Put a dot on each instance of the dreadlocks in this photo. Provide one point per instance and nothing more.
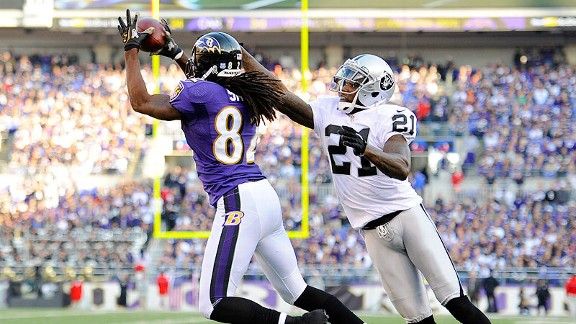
(260, 93)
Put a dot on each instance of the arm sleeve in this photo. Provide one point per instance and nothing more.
(318, 116)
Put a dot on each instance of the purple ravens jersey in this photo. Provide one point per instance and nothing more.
(217, 127)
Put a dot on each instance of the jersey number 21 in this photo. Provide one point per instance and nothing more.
(367, 169)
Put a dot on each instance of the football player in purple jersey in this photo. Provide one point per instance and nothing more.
(220, 106)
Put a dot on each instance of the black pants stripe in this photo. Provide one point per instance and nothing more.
(430, 218)
(225, 252)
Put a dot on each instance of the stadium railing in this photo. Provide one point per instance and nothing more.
(332, 275)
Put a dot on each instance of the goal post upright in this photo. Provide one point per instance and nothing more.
(304, 231)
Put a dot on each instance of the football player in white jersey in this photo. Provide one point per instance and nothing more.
(366, 140)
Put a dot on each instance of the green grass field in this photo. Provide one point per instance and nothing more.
(65, 316)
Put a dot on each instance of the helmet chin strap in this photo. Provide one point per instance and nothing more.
(210, 71)
(348, 107)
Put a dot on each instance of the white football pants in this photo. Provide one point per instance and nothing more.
(402, 249)
(248, 222)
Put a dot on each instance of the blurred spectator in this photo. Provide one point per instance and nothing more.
(75, 293)
(543, 296)
(571, 295)
(524, 304)
(473, 288)
(419, 182)
(457, 178)
(489, 284)
(163, 282)
(123, 283)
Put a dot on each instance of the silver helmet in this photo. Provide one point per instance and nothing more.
(372, 80)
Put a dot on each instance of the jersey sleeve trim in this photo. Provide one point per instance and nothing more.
(317, 116)
(404, 123)
(387, 137)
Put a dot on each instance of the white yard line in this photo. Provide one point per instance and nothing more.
(64, 313)
(40, 314)
(543, 322)
(532, 318)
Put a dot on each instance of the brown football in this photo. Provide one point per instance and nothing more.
(157, 39)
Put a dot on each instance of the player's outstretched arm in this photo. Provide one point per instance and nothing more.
(394, 160)
(292, 105)
(157, 106)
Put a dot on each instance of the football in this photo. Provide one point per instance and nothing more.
(157, 39)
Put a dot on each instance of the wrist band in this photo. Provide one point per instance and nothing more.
(130, 46)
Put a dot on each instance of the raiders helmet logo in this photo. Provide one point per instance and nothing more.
(386, 82)
(209, 44)
(233, 218)
(385, 233)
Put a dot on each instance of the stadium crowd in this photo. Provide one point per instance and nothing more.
(69, 120)
(67, 115)
(102, 228)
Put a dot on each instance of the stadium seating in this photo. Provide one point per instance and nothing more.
(69, 120)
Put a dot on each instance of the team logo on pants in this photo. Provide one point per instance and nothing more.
(233, 218)
(384, 232)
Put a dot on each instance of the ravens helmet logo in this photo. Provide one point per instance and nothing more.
(209, 44)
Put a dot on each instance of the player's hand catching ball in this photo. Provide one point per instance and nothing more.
(130, 35)
(171, 49)
(353, 139)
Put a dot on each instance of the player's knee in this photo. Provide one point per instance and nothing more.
(205, 307)
(287, 296)
(413, 312)
(292, 288)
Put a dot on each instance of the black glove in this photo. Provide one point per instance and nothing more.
(171, 49)
(353, 139)
(130, 35)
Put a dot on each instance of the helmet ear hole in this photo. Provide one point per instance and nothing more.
(375, 94)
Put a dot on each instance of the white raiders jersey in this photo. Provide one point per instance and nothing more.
(364, 191)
